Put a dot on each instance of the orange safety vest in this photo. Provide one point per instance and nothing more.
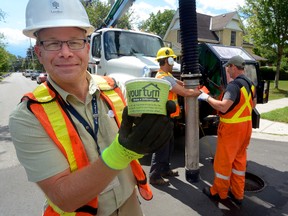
(242, 111)
(43, 102)
(171, 96)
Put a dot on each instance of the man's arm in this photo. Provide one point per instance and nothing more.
(136, 137)
(218, 105)
(180, 90)
(179, 82)
(254, 102)
(69, 191)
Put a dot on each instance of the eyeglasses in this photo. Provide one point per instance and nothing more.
(56, 45)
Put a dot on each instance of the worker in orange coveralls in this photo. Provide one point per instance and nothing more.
(234, 133)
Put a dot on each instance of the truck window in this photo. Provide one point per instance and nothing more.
(250, 72)
(121, 43)
(96, 49)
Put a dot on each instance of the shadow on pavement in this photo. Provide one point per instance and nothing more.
(4, 133)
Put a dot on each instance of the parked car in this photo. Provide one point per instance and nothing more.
(35, 74)
(41, 78)
(28, 73)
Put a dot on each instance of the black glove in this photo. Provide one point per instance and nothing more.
(148, 133)
(170, 107)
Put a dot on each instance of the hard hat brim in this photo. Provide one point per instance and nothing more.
(163, 57)
(30, 32)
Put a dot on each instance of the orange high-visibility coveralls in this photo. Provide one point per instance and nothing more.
(234, 133)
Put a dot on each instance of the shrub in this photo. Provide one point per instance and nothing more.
(268, 73)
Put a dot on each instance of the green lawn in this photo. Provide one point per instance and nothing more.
(281, 92)
(279, 115)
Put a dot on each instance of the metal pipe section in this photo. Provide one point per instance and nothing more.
(192, 171)
(190, 75)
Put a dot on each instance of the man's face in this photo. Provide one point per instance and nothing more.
(66, 64)
(228, 77)
(230, 69)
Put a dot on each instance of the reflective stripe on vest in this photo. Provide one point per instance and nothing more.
(172, 96)
(43, 103)
(112, 97)
(111, 94)
(242, 111)
(60, 129)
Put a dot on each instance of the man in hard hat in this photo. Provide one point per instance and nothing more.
(234, 133)
(66, 131)
(160, 163)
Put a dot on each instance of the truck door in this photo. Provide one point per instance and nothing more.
(95, 63)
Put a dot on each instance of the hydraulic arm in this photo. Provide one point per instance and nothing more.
(119, 8)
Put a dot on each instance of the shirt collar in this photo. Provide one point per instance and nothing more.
(93, 87)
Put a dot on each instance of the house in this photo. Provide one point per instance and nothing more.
(223, 29)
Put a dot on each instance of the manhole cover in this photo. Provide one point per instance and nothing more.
(253, 183)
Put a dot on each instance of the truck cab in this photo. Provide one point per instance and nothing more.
(124, 54)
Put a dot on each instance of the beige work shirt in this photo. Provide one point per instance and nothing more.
(42, 159)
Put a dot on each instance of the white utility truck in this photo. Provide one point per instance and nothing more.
(124, 54)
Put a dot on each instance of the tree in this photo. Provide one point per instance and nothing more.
(31, 60)
(16, 63)
(97, 12)
(2, 15)
(158, 23)
(267, 25)
(2, 18)
(4, 60)
(4, 55)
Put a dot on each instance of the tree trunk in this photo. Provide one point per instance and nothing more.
(279, 57)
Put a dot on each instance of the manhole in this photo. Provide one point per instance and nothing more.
(253, 183)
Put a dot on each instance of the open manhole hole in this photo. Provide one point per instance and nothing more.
(253, 183)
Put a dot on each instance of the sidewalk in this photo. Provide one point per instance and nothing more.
(268, 129)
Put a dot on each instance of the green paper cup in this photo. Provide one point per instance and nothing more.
(147, 95)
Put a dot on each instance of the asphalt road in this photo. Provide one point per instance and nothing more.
(267, 159)
(18, 196)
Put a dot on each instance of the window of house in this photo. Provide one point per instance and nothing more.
(233, 38)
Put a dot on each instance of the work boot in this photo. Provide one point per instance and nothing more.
(159, 181)
(207, 192)
(170, 173)
(235, 200)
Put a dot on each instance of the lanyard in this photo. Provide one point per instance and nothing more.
(84, 122)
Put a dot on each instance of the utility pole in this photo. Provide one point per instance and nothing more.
(32, 55)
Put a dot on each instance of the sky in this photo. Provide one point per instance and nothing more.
(14, 23)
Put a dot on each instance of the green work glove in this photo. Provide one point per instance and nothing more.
(138, 136)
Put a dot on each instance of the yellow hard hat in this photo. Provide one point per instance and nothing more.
(165, 52)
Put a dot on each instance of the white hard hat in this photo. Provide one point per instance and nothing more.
(55, 13)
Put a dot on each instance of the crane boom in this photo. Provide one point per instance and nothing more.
(119, 8)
